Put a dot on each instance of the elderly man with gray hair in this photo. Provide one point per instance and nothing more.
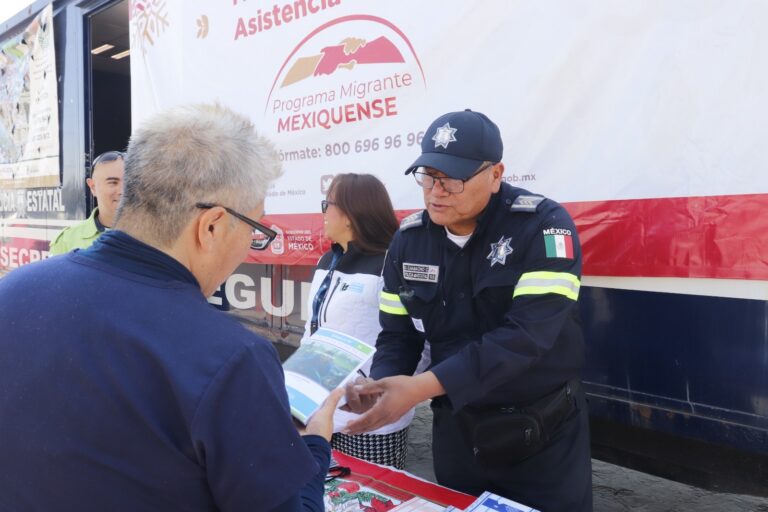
(120, 387)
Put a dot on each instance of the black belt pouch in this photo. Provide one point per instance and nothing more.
(501, 436)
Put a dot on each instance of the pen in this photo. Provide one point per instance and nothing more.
(361, 372)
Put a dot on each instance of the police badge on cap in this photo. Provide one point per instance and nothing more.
(458, 143)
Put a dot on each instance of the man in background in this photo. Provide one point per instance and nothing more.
(106, 184)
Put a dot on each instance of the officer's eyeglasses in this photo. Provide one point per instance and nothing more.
(261, 236)
(450, 185)
(324, 205)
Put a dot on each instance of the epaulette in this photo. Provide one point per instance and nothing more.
(412, 221)
(526, 203)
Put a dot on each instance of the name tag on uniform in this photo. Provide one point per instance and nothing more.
(417, 272)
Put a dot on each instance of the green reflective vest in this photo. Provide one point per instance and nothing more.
(79, 236)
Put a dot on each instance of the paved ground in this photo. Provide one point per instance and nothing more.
(616, 489)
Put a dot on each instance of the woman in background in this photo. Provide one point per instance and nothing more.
(359, 220)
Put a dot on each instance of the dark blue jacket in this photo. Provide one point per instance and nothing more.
(500, 314)
(121, 388)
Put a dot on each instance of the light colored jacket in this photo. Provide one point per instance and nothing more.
(351, 306)
(79, 236)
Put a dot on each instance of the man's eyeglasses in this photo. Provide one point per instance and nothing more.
(450, 185)
(261, 237)
(324, 205)
(109, 156)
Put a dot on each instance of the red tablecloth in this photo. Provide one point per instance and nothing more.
(379, 488)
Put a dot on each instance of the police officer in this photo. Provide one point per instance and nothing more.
(489, 274)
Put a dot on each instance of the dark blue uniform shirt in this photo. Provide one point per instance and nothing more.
(500, 313)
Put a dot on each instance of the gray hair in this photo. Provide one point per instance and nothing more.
(190, 154)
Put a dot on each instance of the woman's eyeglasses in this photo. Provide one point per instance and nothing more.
(261, 237)
(324, 205)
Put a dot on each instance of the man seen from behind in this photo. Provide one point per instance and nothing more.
(120, 387)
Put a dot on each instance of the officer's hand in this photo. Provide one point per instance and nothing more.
(321, 423)
(396, 395)
(356, 402)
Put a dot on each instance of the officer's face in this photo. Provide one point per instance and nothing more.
(459, 212)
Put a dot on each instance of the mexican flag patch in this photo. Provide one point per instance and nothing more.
(558, 243)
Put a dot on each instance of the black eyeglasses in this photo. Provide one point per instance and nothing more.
(324, 205)
(335, 472)
(450, 185)
(262, 236)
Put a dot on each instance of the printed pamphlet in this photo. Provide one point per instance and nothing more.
(321, 364)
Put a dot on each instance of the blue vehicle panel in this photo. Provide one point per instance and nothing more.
(689, 365)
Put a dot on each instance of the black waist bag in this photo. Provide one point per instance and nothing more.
(502, 436)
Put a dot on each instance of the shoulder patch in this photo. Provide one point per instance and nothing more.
(414, 220)
(526, 203)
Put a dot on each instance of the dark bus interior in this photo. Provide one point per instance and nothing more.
(108, 80)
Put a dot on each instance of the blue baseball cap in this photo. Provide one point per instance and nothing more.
(458, 143)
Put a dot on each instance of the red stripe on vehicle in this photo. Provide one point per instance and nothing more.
(697, 237)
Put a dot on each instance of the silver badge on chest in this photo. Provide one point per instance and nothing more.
(500, 250)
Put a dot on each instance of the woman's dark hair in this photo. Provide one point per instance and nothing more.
(364, 200)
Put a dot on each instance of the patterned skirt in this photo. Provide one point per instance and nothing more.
(386, 449)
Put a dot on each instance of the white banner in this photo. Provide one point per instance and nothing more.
(595, 100)
(645, 118)
(29, 114)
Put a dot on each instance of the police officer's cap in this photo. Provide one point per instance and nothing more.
(458, 143)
